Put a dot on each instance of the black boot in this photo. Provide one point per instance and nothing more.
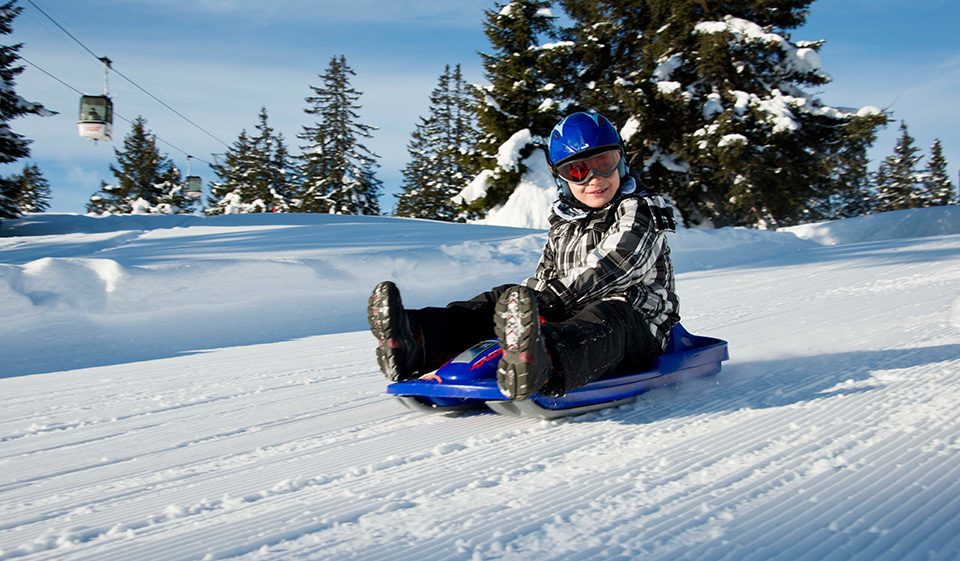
(524, 367)
(399, 354)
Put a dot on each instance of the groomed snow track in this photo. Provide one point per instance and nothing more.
(831, 434)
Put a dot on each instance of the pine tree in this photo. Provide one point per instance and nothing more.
(598, 64)
(899, 184)
(268, 178)
(32, 190)
(338, 171)
(856, 196)
(13, 146)
(285, 178)
(227, 196)
(146, 180)
(518, 96)
(316, 169)
(938, 189)
(418, 199)
(440, 151)
(465, 132)
(711, 99)
(255, 175)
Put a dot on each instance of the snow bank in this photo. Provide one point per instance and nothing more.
(899, 224)
(113, 289)
(126, 288)
(698, 250)
(529, 204)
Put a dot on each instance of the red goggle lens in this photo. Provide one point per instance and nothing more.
(579, 171)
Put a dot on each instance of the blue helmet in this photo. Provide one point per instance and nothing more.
(580, 134)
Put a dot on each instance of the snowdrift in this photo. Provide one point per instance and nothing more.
(121, 288)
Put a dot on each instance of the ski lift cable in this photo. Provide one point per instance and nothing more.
(168, 143)
(49, 74)
(109, 64)
(78, 41)
(181, 115)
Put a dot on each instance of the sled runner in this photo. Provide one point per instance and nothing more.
(469, 381)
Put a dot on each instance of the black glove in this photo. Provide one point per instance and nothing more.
(549, 305)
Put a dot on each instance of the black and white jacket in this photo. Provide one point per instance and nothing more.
(618, 252)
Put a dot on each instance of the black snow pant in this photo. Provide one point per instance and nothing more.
(595, 340)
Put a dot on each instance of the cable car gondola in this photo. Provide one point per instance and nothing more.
(96, 117)
(96, 111)
(193, 185)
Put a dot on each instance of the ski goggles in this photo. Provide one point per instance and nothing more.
(580, 171)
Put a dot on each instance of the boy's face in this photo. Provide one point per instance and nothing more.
(597, 192)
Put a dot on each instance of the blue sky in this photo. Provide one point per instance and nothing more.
(219, 61)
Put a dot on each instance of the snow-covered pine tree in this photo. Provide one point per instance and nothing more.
(254, 176)
(898, 181)
(515, 110)
(268, 179)
(316, 169)
(285, 178)
(596, 63)
(227, 193)
(418, 198)
(939, 190)
(465, 132)
(13, 146)
(441, 149)
(718, 114)
(32, 191)
(338, 171)
(146, 180)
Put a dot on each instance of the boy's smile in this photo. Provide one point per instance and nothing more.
(597, 192)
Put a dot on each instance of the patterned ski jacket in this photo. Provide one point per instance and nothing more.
(618, 252)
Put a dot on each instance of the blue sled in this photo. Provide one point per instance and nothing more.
(469, 381)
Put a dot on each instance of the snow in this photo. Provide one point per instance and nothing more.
(778, 108)
(547, 104)
(899, 224)
(732, 139)
(631, 128)
(178, 387)
(803, 60)
(713, 106)
(666, 67)
(477, 188)
(668, 161)
(668, 88)
(556, 45)
(529, 204)
(508, 154)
